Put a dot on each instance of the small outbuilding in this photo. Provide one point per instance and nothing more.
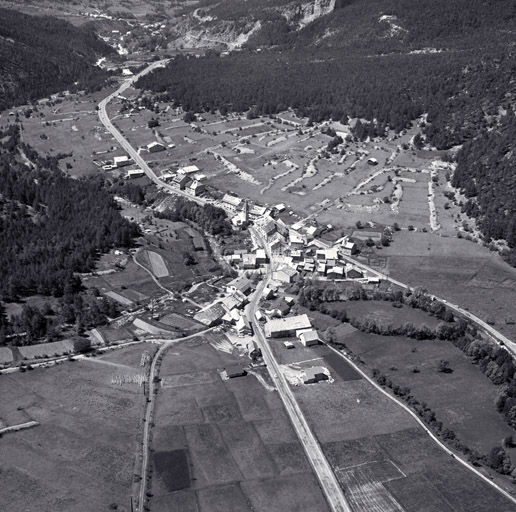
(314, 375)
(235, 370)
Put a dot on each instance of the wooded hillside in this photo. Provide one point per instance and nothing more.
(44, 55)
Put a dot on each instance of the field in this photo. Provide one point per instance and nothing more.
(81, 456)
(458, 270)
(265, 160)
(128, 286)
(377, 450)
(228, 444)
(384, 314)
(472, 415)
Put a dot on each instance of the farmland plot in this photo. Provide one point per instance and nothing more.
(158, 266)
(364, 484)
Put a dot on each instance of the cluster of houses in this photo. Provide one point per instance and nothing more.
(229, 308)
(186, 178)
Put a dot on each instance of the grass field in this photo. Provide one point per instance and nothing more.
(458, 270)
(472, 415)
(241, 452)
(81, 456)
(158, 266)
(384, 314)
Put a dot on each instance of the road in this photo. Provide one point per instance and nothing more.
(425, 427)
(126, 145)
(149, 411)
(485, 327)
(327, 479)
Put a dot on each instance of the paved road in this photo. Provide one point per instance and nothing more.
(126, 145)
(497, 336)
(326, 476)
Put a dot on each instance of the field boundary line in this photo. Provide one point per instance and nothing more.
(426, 429)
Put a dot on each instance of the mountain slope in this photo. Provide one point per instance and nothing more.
(42, 55)
(389, 62)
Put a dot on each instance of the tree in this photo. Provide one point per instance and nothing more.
(189, 117)
(444, 366)
(81, 345)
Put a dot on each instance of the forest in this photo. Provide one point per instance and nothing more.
(211, 219)
(40, 55)
(449, 66)
(51, 228)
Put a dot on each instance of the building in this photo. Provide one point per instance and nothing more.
(268, 293)
(155, 147)
(249, 261)
(121, 161)
(211, 315)
(243, 327)
(335, 273)
(230, 202)
(167, 176)
(309, 338)
(189, 169)
(235, 370)
(180, 181)
(261, 257)
(286, 327)
(196, 188)
(234, 300)
(258, 211)
(354, 274)
(279, 307)
(372, 161)
(241, 284)
(280, 207)
(288, 344)
(349, 248)
(321, 268)
(134, 173)
(268, 229)
(285, 274)
(314, 375)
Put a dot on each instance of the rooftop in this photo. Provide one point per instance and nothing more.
(291, 323)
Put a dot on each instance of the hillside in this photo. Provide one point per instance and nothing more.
(43, 55)
(447, 65)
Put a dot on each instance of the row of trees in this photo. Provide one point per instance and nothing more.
(313, 293)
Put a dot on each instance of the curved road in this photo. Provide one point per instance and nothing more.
(126, 145)
(327, 479)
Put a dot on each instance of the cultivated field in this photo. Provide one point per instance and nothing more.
(81, 456)
(224, 444)
(378, 451)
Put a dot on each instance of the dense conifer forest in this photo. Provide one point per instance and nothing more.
(51, 228)
(390, 63)
(40, 55)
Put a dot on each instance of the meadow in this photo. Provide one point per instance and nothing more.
(81, 456)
